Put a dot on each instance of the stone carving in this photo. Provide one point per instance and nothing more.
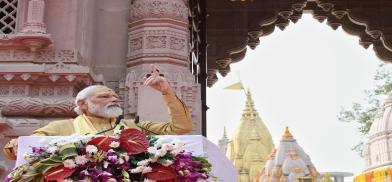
(50, 55)
(177, 44)
(70, 78)
(8, 77)
(174, 9)
(155, 42)
(18, 90)
(27, 123)
(25, 76)
(136, 44)
(47, 56)
(54, 78)
(47, 91)
(4, 90)
(27, 106)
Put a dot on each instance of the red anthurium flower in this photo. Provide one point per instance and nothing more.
(133, 141)
(162, 174)
(58, 173)
(103, 143)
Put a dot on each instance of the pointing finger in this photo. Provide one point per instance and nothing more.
(155, 72)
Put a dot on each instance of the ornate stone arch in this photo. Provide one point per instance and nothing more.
(235, 24)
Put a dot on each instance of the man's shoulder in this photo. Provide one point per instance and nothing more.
(62, 122)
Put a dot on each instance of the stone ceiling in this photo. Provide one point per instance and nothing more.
(232, 25)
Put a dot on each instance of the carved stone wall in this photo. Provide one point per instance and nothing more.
(159, 34)
(39, 78)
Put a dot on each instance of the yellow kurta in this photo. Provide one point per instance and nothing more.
(180, 122)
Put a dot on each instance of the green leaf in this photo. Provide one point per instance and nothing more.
(68, 151)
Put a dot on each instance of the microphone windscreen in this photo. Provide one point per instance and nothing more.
(118, 119)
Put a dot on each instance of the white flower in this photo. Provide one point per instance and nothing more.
(29, 157)
(177, 151)
(167, 146)
(67, 180)
(139, 169)
(161, 152)
(121, 161)
(117, 132)
(124, 156)
(143, 162)
(81, 159)
(146, 170)
(167, 163)
(69, 163)
(114, 144)
(111, 180)
(151, 150)
(86, 138)
(148, 180)
(52, 149)
(178, 143)
(91, 149)
(105, 164)
(154, 159)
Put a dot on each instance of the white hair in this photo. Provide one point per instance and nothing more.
(85, 94)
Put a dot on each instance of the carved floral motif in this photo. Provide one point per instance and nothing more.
(136, 44)
(155, 42)
(47, 56)
(175, 9)
(177, 44)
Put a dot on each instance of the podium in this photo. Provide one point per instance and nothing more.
(223, 169)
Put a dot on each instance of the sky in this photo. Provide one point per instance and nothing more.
(301, 78)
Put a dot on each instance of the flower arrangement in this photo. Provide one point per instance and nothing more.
(129, 156)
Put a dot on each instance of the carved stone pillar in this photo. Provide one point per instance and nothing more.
(159, 34)
(35, 17)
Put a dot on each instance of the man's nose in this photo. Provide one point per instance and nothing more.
(115, 99)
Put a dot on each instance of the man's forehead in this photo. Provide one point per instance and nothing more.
(104, 91)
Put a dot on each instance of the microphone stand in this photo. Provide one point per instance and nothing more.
(118, 120)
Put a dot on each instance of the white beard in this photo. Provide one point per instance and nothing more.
(108, 111)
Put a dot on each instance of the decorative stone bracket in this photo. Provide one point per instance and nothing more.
(30, 41)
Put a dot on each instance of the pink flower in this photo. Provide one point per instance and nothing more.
(146, 170)
(91, 149)
(81, 159)
(69, 163)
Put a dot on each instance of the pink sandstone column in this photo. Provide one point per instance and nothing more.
(158, 34)
(35, 17)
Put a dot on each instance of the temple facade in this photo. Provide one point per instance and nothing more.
(251, 144)
(288, 163)
(377, 151)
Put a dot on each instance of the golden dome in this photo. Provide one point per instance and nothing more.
(287, 133)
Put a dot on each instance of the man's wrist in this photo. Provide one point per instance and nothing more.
(169, 92)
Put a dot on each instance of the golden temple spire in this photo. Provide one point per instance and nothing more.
(287, 134)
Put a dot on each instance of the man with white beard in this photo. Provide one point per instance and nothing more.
(98, 105)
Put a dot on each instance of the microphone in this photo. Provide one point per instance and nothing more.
(118, 120)
(137, 124)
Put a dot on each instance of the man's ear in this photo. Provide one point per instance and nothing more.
(83, 105)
